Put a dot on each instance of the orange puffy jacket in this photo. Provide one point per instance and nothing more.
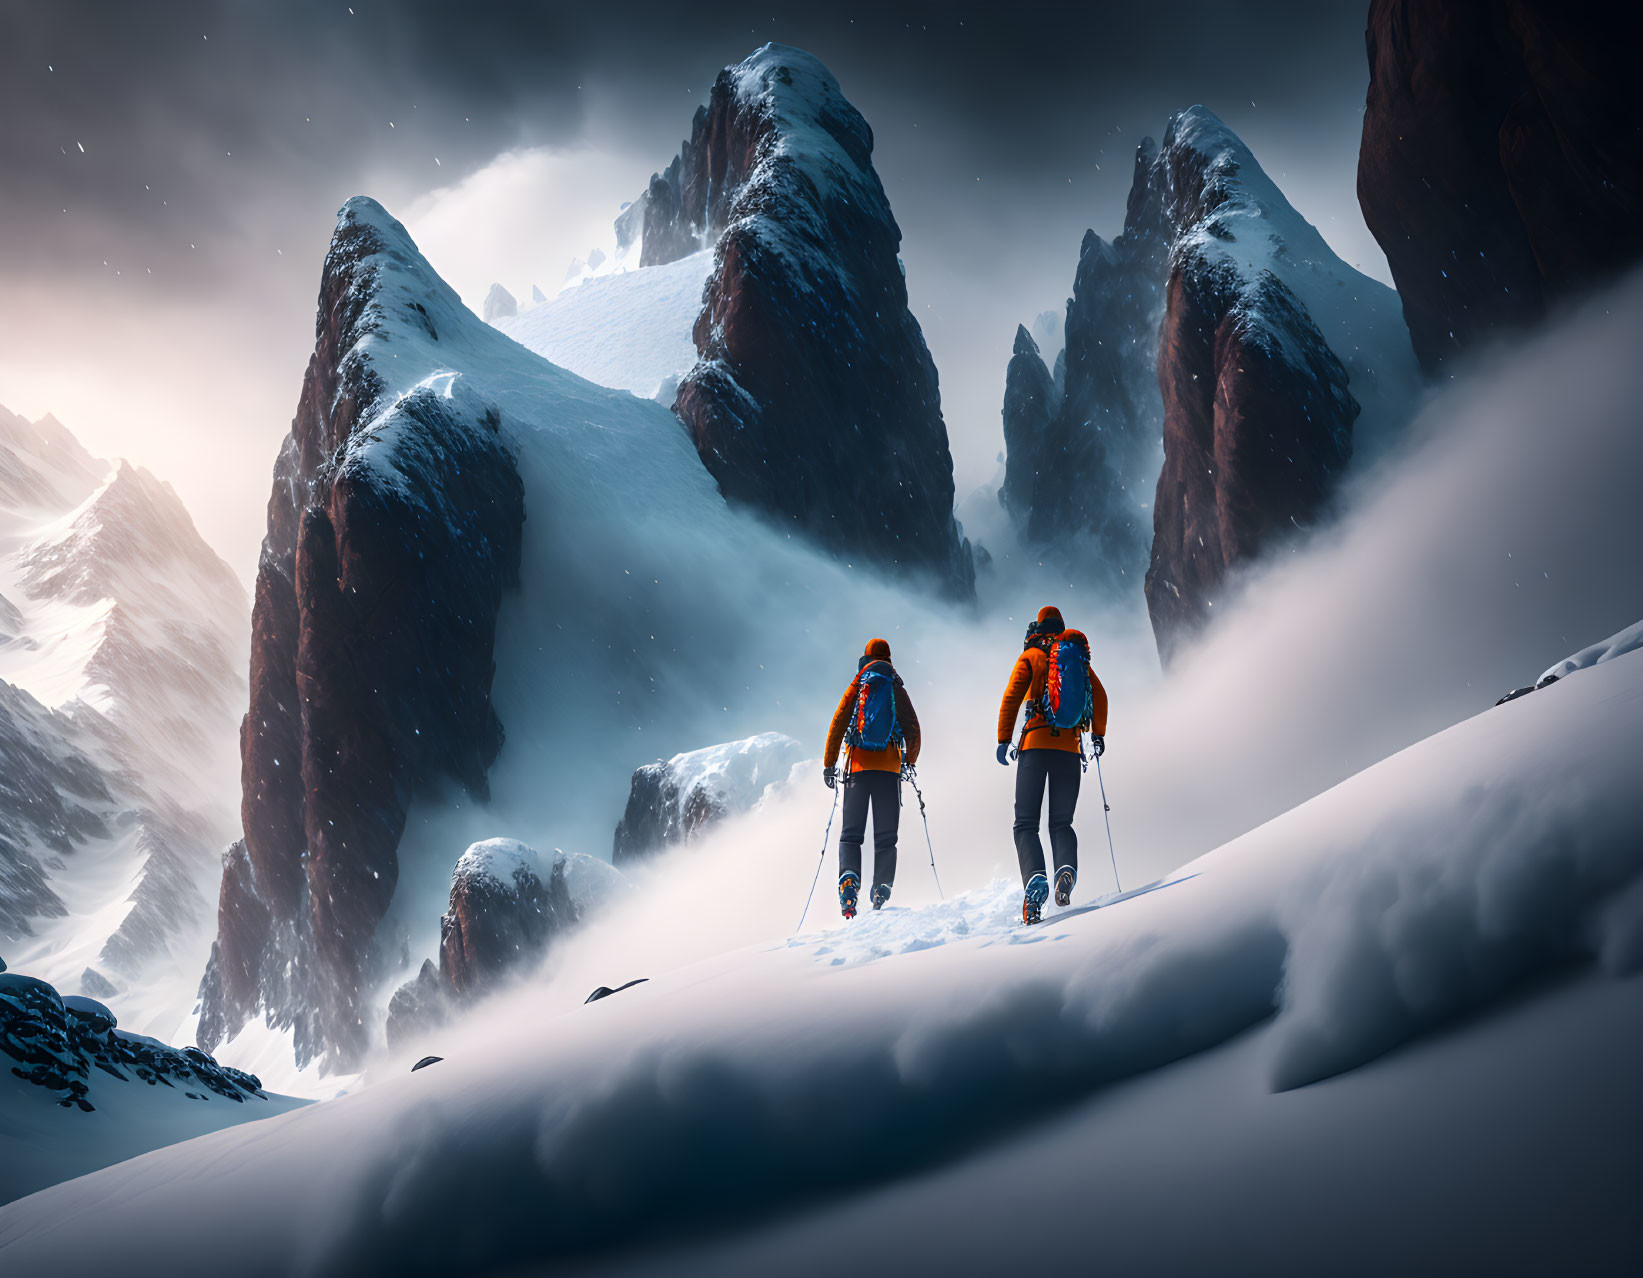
(1027, 679)
(888, 760)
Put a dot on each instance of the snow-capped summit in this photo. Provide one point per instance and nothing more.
(1228, 216)
(499, 304)
(122, 658)
(130, 612)
(1278, 362)
(814, 398)
(1220, 325)
(393, 530)
(42, 466)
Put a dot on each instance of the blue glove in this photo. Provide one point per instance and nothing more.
(1004, 753)
(1099, 745)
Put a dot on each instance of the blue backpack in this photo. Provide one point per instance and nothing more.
(1068, 701)
(873, 724)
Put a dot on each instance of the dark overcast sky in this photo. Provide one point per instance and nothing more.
(161, 280)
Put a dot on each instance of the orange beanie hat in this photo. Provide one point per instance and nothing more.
(877, 649)
(1049, 618)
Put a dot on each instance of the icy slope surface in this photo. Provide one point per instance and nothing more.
(630, 330)
(1407, 898)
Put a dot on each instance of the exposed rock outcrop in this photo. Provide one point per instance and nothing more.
(1031, 398)
(508, 904)
(393, 530)
(671, 801)
(1501, 165)
(1258, 414)
(1201, 405)
(814, 398)
(1081, 487)
(71, 1046)
(499, 304)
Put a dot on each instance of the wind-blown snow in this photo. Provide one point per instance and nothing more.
(737, 773)
(1617, 645)
(630, 330)
(1416, 893)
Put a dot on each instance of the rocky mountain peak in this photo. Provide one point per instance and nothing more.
(814, 398)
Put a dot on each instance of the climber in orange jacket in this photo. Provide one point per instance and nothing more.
(1049, 756)
(875, 719)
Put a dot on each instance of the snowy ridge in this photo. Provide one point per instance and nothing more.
(817, 150)
(1229, 215)
(1412, 895)
(1616, 645)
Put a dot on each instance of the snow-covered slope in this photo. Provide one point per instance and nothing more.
(1415, 897)
(80, 1093)
(122, 675)
(630, 330)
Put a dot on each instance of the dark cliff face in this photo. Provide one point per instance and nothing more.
(1031, 397)
(1501, 164)
(1202, 411)
(1258, 426)
(1257, 413)
(498, 922)
(1082, 493)
(373, 625)
(814, 398)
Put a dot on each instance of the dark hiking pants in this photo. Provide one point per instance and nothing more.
(883, 791)
(1061, 770)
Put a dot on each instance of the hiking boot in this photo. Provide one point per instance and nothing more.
(1032, 901)
(849, 886)
(1065, 877)
(881, 894)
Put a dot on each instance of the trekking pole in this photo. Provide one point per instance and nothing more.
(826, 839)
(913, 777)
(1106, 812)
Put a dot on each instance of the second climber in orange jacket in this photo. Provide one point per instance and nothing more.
(1050, 757)
(875, 719)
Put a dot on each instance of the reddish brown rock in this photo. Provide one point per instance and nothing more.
(814, 399)
(1256, 431)
(373, 629)
(1501, 165)
(1258, 406)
